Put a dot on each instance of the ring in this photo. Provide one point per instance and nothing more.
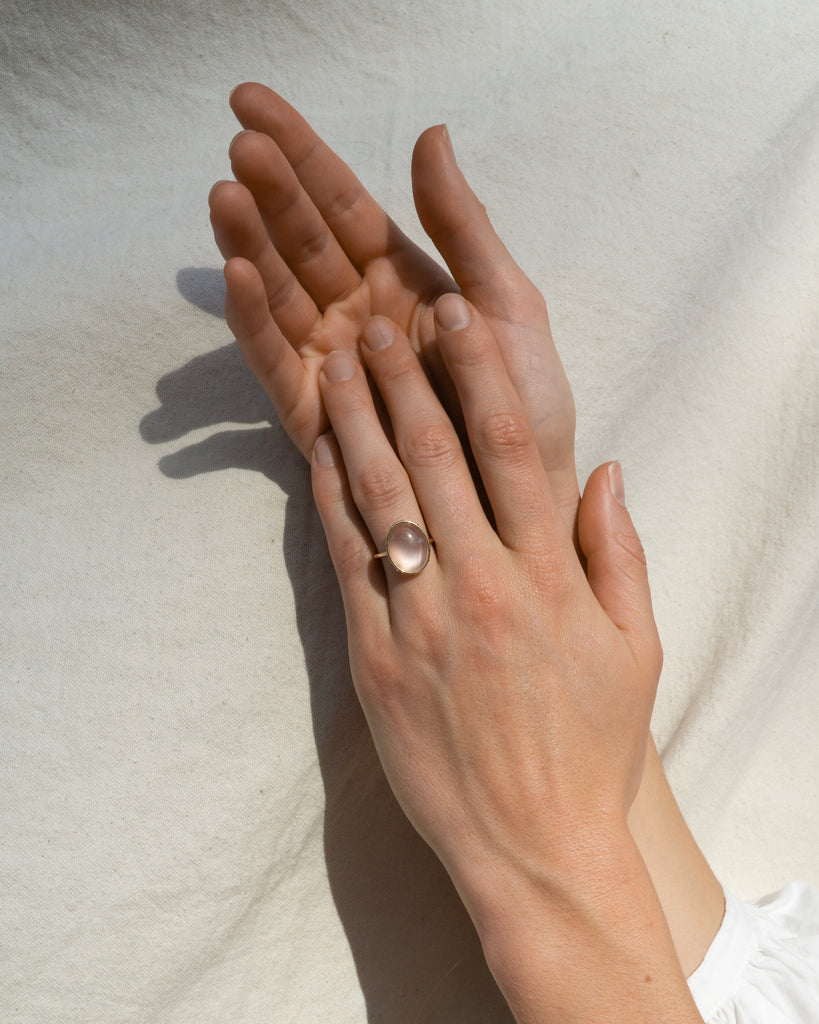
(407, 547)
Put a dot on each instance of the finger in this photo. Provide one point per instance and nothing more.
(512, 306)
(427, 442)
(363, 587)
(379, 485)
(239, 231)
(616, 563)
(362, 228)
(499, 432)
(458, 225)
(285, 376)
(297, 229)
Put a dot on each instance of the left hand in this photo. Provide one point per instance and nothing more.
(311, 256)
(509, 705)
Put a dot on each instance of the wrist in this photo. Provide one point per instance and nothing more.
(515, 878)
(579, 937)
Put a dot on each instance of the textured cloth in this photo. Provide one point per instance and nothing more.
(193, 823)
(763, 964)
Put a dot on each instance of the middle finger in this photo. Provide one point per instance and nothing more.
(427, 441)
(296, 227)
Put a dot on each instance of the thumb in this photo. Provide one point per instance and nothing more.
(457, 222)
(616, 562)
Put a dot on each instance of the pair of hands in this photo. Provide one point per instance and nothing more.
(508, 687)
(325, 257)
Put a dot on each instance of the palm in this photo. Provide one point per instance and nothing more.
(311, 256)
(401, 285)
(383, 291)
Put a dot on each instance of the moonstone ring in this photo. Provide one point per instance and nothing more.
(407, 547)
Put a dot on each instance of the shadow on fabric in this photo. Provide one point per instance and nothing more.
(416, 953)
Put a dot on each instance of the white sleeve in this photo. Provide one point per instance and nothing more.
(763, 965)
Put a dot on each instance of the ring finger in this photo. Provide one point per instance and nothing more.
(379, 484)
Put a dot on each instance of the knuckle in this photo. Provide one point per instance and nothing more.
(349, 557)
(485, 598)
(430, 444)
(311, 247)
(552, 577)
(464, 222)
(379, 489)
(468, 353)
(482, 586)
(281, 292)
(629, 542)
(427, 637)
(505, 433)
(309, 152)
(395, 371)
(296, 415)
(377, 680)
(343, 203)
(434, 632)
(377, 669)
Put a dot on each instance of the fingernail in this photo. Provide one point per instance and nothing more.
(447, 138)
(215, 185)
(323, 452)
(378, 333)
(237, 136)
(616, 484)
(452, 312)
(338, 366)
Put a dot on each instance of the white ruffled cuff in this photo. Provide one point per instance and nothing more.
(763, 965)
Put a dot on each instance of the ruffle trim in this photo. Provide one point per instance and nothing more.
(763, 964)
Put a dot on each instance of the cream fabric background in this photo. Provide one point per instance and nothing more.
(193, 826)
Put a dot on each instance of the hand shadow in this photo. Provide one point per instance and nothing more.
(416, 953)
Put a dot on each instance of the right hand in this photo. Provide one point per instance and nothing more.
(310, 257)
(508, 693)
(506, 689)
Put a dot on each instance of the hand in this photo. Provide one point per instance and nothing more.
(311, 256)
(499, 691)
(510, 706)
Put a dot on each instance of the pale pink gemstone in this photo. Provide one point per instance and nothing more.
(407, 547)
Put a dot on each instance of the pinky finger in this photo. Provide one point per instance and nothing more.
(275, 363)
(361, 578)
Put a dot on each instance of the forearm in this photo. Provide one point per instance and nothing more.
(689, 892)
(583, 940)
